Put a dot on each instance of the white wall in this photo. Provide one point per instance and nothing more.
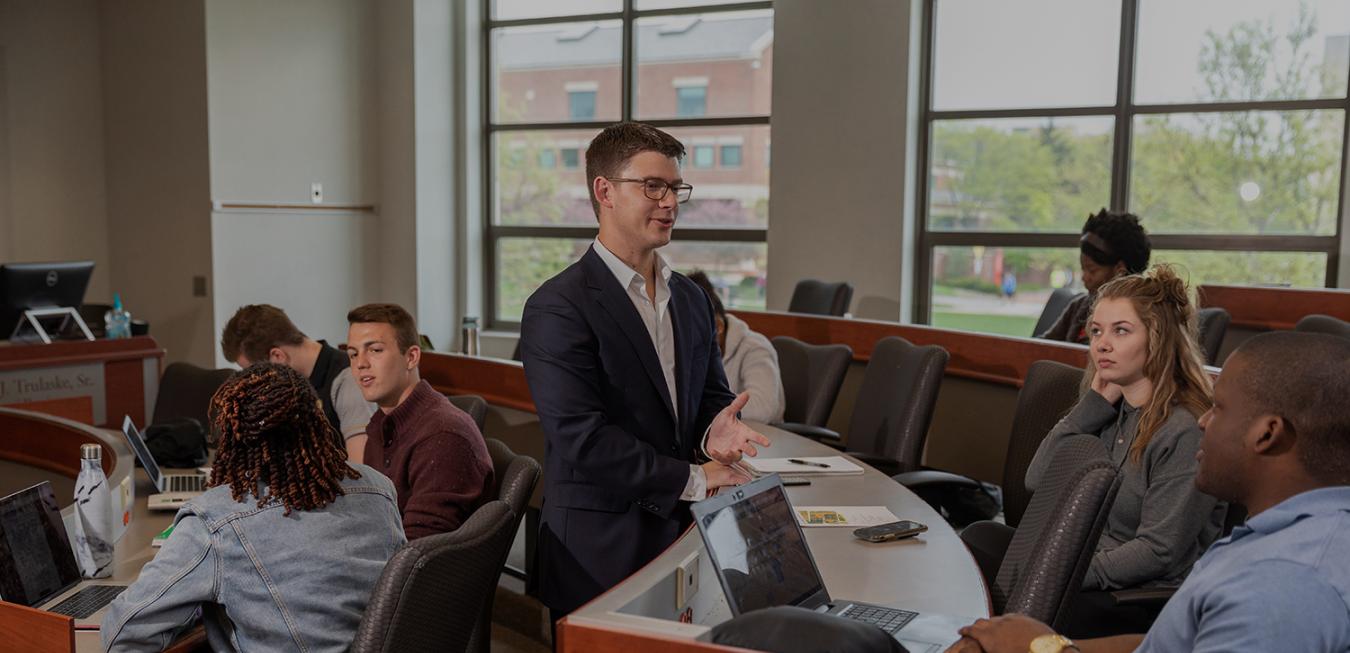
(52, 201)
(840, 150)
(293, 99)
(157, 165)
(316, 287)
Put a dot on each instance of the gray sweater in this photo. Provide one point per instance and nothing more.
(1159, 523)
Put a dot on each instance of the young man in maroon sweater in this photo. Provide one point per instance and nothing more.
(430, 449)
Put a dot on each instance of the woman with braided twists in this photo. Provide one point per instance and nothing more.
(281, 553)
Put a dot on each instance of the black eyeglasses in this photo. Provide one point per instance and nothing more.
(656, 189)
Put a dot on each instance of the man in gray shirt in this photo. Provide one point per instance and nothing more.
(261, 333)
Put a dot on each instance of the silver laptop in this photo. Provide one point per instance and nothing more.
(37, 565)
(173, 490)
(761, 559)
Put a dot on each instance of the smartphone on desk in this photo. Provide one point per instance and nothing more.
(893, 531)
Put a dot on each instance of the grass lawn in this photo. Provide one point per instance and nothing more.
(1008, 325)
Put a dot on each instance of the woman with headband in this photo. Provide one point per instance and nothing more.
(1113, 244)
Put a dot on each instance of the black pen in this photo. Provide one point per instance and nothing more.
(809, 463)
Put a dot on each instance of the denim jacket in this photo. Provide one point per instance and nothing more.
(263, 581)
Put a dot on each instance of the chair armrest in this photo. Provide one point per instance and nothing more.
(1152, 598)
(933, 477)
(887, 466)
(988, 542)
(819, 433)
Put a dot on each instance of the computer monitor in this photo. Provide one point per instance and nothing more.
(25, 286)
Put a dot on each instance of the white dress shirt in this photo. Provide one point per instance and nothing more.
(656, 317)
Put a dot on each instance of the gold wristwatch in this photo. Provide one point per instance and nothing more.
(1053, 643)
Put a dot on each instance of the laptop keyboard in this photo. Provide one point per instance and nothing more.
(185, 483)
(87, 601)
(888, 619)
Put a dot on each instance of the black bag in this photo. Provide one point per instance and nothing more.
(177, 443)
(961, 505)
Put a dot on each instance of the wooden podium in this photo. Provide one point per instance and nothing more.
(91, 382)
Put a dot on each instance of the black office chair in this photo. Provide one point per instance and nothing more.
(1041, 563)
(1054, 307)
(473, 405)
(821, 297)
(185, 390)
(1048, 393)
(895, 405)
(1213, 325)
(812, 375)
(433, 591)
(1323, 324)
(514, 477)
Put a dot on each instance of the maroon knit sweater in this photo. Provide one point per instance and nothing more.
(435, 456)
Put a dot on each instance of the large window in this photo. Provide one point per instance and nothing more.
(558, 72)
(1221, 123)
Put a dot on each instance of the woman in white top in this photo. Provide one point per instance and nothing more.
(750, 361)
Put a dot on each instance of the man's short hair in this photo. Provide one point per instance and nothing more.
(1125, 239)
(1305, 379)
(405, 327)
(255, 329)
(611, 149)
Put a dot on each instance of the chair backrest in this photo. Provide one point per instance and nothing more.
(185, 390)
(1053, 546)
(473, 405)
(812, 376)
(821, 297)
(1324, 324)
(513, 478)
(1048, 394)
(895, 402)
(1054, 307)
(432, 591)
(1213, 325)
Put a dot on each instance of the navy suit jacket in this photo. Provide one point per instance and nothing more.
(615, 462)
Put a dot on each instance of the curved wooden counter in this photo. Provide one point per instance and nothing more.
(931, 573)
(43, 447)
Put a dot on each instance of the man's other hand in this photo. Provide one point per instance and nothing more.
(720, 475)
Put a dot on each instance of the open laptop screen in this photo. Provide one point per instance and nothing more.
(757, 548)
(143, 454)
(36, 562)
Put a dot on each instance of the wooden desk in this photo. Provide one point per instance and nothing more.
(931, 573)
(1275, 309)
(92, 382)
(48, 447)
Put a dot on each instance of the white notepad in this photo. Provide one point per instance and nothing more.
(833, 466)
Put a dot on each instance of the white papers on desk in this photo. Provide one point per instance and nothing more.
(833, 466)
(852, 516)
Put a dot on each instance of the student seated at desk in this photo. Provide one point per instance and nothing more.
(263, 333)
(1277, 440)
(284, 549)
(431, 450)
(1113, 244)
(748, 358)
(1147, 388)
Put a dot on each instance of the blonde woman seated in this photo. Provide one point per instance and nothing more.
(1146, 389)
(750, 361)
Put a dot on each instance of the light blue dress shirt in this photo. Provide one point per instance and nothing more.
(1279, 583)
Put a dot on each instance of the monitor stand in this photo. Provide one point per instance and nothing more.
(34, 317)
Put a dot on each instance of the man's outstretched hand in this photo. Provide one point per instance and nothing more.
(728, 437)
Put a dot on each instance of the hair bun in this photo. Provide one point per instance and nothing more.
(1171, 286)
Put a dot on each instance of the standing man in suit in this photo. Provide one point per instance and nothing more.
(621, 356)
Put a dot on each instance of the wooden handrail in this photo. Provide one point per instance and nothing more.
(984, 357)
(1261, 308)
